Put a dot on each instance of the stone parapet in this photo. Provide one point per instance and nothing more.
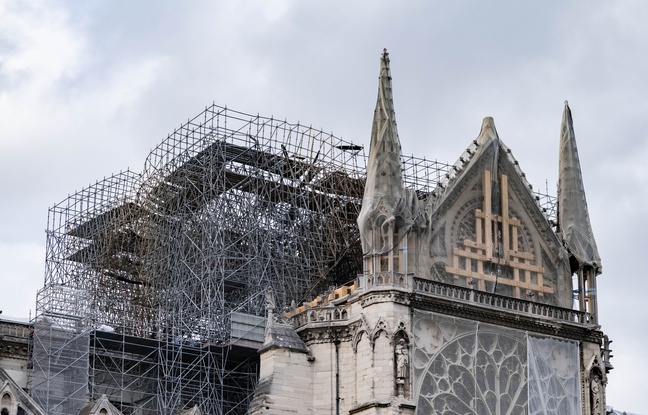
(504, 311)
(326, 314)
(393, 280)
(14, 339)
(494, 301)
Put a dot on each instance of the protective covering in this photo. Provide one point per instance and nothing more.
(463, 367)
(554, 376)
(385, 200)
(613, 411)
(467, 367)
(573, 215)
(60, 352)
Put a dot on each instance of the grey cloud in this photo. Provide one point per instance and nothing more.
(317, 62)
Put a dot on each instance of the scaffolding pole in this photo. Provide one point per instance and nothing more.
(145, 271)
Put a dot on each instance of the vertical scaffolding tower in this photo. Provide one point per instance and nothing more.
(155, 282)
(90, 254)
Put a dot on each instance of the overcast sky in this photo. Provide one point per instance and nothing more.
(88, 88)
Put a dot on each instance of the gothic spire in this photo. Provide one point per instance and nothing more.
(573, 217)
(384, 166)
(384, 197)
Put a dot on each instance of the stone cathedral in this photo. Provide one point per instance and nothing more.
(470, 302)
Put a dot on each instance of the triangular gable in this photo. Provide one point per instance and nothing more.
(101, 406)
(490, 233)
(193, 411)
(14, 397)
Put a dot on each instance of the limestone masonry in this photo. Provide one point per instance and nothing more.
(464, 305)
(261, 267)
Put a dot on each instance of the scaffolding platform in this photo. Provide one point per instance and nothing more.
(174, 262)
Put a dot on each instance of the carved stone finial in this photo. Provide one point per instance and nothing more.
(270, 306)
(270, 300)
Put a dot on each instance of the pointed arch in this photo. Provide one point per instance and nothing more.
(381, 326)
(7, 401)
(401, 332)
(362, 328)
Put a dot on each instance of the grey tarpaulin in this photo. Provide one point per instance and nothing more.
(468, 367)
(573, 215)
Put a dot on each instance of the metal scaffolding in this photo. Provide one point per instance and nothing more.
(155, 282)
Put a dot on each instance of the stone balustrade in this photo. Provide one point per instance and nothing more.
(326, 314)
(481, 298)
(15, 330)
(325, 311)
(383, 279)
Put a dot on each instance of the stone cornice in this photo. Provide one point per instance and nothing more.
(369, 405)
(14, 339)
(376, 296)
(323, 333)
(517, 320)
(14, 348)
(452, 300)
(394, 403)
